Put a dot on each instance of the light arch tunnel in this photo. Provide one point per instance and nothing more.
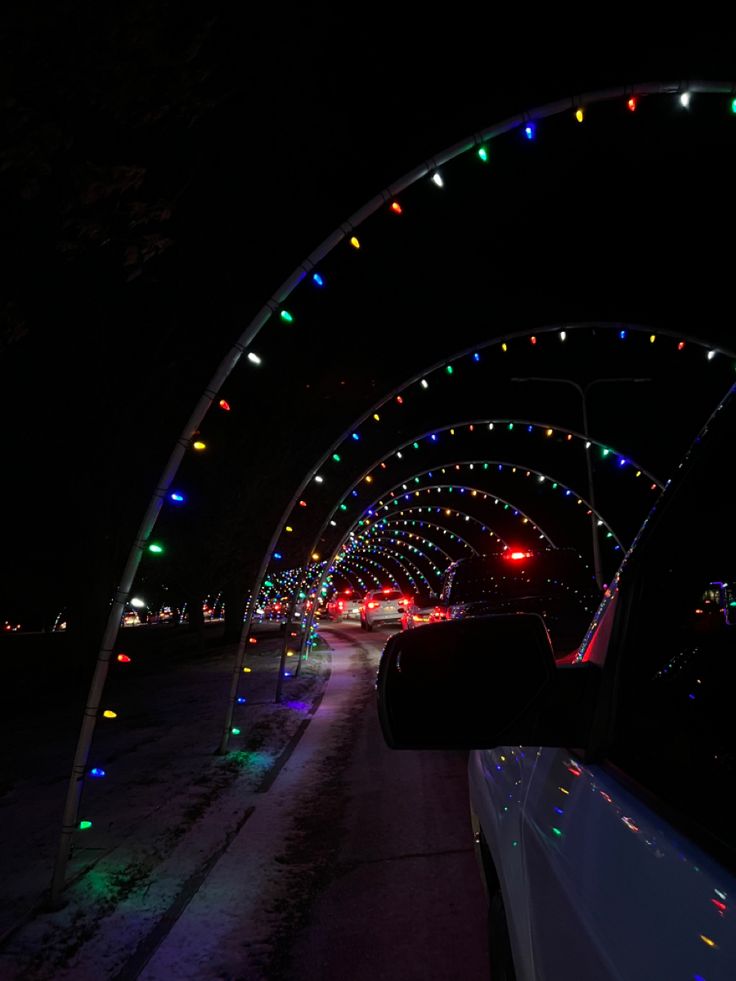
(502, 350)
(692, 352)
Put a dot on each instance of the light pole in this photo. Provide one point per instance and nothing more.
(583, 392)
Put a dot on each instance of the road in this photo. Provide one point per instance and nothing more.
(339, 859)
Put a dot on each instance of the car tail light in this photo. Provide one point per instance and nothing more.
(339, 604)
(373, 604)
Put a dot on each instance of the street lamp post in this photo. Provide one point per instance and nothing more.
(583, 392)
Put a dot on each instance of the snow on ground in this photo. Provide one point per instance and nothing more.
(167, 811)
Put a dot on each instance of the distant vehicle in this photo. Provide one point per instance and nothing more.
(421, 609)
(344, 605)
(130, 619)
(553, 582)
(601, 789)
(383, 606)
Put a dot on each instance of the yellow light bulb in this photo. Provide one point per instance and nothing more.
(579, 115)
(354, 242)
(109, 714)
(199, 445)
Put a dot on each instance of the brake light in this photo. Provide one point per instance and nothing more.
(516, 555)
(339, 603)
(373, 604)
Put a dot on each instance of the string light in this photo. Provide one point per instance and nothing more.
(176, 497)
(287, 317)
(354, 242)
(437, 179)
(396, 207)
(631, 104)
(97, 773)
(123, 658)
(155, 548)
(424, 383)
(199, 445)
(317, 280)
(253, 358)
(225, 406)
(84, 825)
(579, 114)
(109, 714)
(685, 100)
(529, 131)
(483, 153)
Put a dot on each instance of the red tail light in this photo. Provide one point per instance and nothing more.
(373, 604)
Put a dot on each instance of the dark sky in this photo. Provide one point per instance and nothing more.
(163, 172)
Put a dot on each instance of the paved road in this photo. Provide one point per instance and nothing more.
(404, 898)
(320, 855)
(357, 864)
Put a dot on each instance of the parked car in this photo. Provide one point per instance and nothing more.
(600, 790)
(382, 606)
(553, 582)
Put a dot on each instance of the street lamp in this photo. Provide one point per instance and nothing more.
(583, 391)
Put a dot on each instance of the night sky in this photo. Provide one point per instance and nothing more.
(162, 173)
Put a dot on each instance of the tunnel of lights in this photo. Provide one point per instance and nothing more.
(354, 516)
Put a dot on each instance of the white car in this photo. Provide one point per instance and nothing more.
(382, 606)
(601, 790)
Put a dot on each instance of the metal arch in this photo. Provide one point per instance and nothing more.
(222, 372)
(359, 550)
(408, 534)
(348, 553)
(497, 463)
(467, 516)
(442, 528)
(491, 424)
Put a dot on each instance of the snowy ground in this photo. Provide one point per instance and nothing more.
(165, 813)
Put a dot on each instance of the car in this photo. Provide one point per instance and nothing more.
(421, 609)
(600, 789)
(382, 606)
(553, 582)
(344, 605)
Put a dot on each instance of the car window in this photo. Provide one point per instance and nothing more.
(677, 667)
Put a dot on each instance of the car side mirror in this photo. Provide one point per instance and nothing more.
(482, 682)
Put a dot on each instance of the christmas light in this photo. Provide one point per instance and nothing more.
(631, 104)
(84, 825)
(563, 335)
(156, 548)
(685, 100)
(424, 383)
(225, 406)
(437, 179)
(317, 279)
(336, 457)
(288, 528)
(253, 358)
(396, 207)
(109, 714)
(235, 731)
(277, 555)
(287, 317)
(97, 773)
(123, 658)
(579, 114)
(199, 445)
(449, 369)
(318, 479)
(354, 242)
(356, 436)
(529, 131)
(176, 497)
(483, 153)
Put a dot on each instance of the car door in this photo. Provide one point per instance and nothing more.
(623, 868)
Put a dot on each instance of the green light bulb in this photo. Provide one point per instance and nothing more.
(153, 547)
(483, 154)
(83, 825)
